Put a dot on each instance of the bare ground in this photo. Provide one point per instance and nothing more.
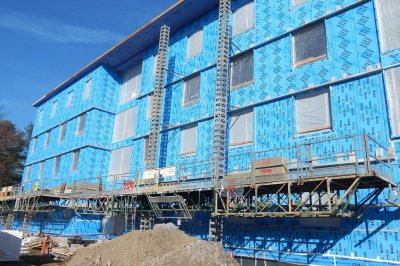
(155, 247)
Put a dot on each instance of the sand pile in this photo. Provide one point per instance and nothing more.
(155, 247)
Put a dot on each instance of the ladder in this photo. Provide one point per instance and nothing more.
(221, 91)
(130, 216)
(216, 229)
(9, 221)
(175, 204)
(27, 221)
(146, 223)
(157, 98)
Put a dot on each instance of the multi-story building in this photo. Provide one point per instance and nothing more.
(313, 90)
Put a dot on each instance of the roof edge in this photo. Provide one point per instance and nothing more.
(96, 62)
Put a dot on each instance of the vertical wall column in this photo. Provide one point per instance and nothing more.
(221, 90)
(157, 98)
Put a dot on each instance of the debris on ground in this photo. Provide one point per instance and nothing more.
(34, 242)
(153, 247)
(62, 253)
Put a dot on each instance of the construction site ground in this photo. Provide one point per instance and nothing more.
(150, 247)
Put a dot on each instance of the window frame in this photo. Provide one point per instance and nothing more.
(80, 132)
(57, 162)
(40, 118)
(125, 134)
(188, 127)
(54, 109)
(234, 32)
(41, 169)
(28, 172)
(75, 160)
(189, 55)
(34, 144)
(310, 59)
(150, 103)
(137, 71)
(329, 108)
(47, 140)
(155, 62)
(244, 84)
(70, 97)
(88, 89)
(238, 114)
(391, 79)
(125, 151)
(63, 132)
(185, 87)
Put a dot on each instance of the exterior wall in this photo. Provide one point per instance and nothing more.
(95, 140)
(351, 72)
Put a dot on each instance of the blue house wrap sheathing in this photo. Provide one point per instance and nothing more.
(352, 71)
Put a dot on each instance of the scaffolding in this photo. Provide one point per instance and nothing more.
(338, 177)
(304, 180)
(158, 98)
(221, 90)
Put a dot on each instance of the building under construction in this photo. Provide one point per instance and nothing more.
(270, 126)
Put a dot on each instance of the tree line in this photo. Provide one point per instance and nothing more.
(14, 145)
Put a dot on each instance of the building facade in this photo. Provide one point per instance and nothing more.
(301, 71)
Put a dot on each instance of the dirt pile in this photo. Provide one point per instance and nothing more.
(155, 247)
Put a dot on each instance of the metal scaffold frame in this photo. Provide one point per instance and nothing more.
(221, 90)
(157, 98)
(311, 182)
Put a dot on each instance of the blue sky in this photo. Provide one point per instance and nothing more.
(43, 42)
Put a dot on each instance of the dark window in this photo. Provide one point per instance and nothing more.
(310, 44)
(242, 70)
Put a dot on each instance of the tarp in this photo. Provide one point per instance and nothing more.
(392, 77)
(10, 245)
(313, 112)
(389, 23)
